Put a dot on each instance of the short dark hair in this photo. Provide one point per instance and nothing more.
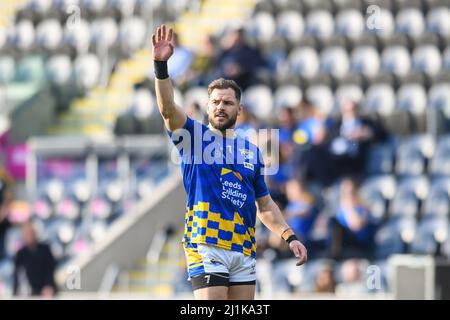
(222, 83)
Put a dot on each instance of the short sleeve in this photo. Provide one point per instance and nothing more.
(259, 183)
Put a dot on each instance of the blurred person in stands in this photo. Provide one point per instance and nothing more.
(247, 125)
(352, 280)
(325, 280)
(311, 156)
(5, 201)
(195, 112)
(35, 260)
(238, 61)
(225, 187)
(301, 211)
(287, 123)
(180, 63)
(202, 69)
(351, 136)
(277, 182)
(352, 229)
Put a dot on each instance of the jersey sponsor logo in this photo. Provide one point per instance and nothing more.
(232, 190)
(226, 171)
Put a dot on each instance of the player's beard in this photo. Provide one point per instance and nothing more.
(223, 126)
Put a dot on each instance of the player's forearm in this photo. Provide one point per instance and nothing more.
(271, 216)
(165, 98)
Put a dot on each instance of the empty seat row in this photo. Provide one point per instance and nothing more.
(350, 23)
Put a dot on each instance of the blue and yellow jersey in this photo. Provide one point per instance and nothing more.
(222, 178)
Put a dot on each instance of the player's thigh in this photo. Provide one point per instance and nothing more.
(211, 293)
(241, 292)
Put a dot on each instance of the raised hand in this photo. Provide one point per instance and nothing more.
(162, 44)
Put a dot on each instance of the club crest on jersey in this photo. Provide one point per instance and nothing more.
(247, 154)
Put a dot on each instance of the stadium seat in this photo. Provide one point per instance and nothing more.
(87, 71)
(30, 69)
(303, 61)
(396, 59)
(42, 209)
(132, 32)
(23, 35)
(81, 190)
(143, 104)
(380, 98)
(410, 21)
(334, 61)
(410, 191)
(124, 7)
(7, 69)
(94, 7)
(426, 59)
(380, 159)
(427, 233)
(197, 95)
(104, 33)
(261, 27)
(259, 100)
(413, 154)
(349, 23)
(78, 38)
(320, 24)
(437, 202)
(380, 22)
(59, 69)
(438, 20)
(439, 98)
(274, 53)
(289, 24)
(49, 34)
(321, 97)
(390, 238)
(40, 6)
(412, 98)
(345, 93)
(377, 192)
(365, 60)
(440, 163)
(287, 96)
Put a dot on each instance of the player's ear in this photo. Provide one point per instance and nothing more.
(241, 107)
(207, 107)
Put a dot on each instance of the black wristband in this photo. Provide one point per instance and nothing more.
(291, 238)
(160, 69)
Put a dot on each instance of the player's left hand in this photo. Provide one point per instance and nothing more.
(299, 251)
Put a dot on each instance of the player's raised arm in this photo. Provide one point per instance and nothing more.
(174, 117)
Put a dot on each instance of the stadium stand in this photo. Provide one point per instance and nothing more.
(391, 57)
